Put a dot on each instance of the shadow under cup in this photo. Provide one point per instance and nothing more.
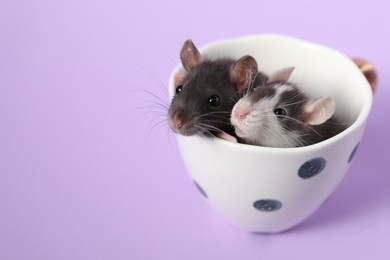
(268, 190)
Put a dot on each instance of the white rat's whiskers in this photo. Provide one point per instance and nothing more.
(292, 98)
(301, 123)
(292, 104)
(336, 124)
(298, 140)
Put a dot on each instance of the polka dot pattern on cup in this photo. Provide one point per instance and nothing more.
(201, 190)
(311, 168)
(267, 205)
(307, 170)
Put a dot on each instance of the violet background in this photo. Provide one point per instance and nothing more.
(82, 176)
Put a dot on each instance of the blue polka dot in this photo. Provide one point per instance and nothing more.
(353, 153)
(311, 168)
(267, 205)
(201, 190)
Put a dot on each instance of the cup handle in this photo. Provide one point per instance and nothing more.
(368, 71)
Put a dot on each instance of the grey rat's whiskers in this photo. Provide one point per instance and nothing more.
(210, 127)
(216, 121)
(151, 112)
(161, 101)
(153, 107)
(154, 76)
(251, 85)
(159, 123)
(148, 108)
(215, 118)
(171, 58)
(169, 131)
(162, 106)
(216, 114)
(157, 116)
(202, 130)
(151, 115)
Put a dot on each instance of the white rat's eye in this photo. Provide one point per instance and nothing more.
(178, 89)
(280, 113)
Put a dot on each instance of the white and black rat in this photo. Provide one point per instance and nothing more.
(278, 114)
(207, 90)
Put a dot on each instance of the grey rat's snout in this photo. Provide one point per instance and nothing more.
(176, 123)
(181, 124)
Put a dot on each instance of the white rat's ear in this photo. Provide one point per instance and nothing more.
(243, 71)
(317, 111)
(189, 55)
(281, 75)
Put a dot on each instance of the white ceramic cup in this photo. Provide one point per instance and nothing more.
(268, 190)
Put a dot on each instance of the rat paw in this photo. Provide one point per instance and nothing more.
(227, 137)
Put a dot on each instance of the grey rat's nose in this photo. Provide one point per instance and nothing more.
(177, 123)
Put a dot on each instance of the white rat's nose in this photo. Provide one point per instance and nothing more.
(241, 112)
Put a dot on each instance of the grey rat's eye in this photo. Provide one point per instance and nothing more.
(178, 89)
(280, 113)
(214, 101)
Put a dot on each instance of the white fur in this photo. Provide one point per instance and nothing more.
(282, 87)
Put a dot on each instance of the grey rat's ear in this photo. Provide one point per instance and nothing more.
(317, 111)
(189, 55)
(243, 71)
(281, 75)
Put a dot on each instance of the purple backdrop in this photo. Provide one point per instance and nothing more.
(88, 172)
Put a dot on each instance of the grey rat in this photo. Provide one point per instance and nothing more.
(278, 114)
(206, 91)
